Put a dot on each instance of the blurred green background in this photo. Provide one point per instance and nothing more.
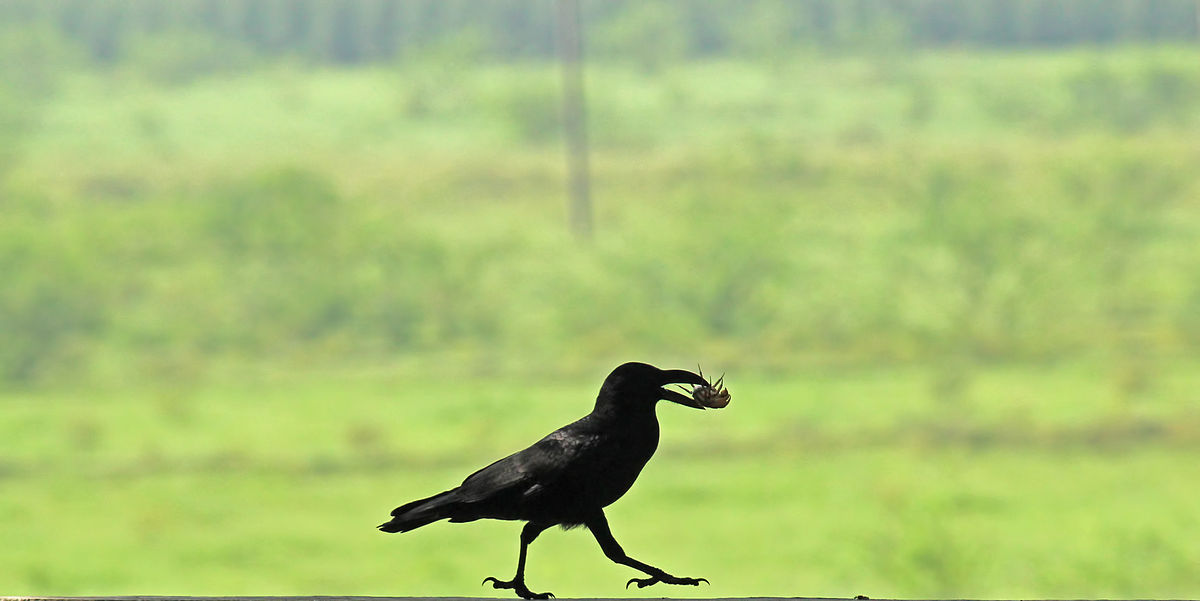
(272, 267)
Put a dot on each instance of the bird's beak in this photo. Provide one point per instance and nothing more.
(680, 376)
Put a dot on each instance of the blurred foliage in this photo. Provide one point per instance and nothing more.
(50, 311)
(1102, 96)
(179, 58)
(35, 58)
(368, 215)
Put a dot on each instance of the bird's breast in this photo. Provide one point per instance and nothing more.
(619, 460)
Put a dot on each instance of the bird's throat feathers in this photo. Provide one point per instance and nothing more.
(609, 409)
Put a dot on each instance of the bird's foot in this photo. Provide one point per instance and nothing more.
(517, 586)
(667, 579)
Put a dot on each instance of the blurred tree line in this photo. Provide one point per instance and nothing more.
(359, 31)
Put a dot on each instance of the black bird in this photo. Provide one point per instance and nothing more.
(571, 475)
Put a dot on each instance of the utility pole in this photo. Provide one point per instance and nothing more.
(570, 49)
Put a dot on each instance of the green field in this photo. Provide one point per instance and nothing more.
(817, 484)
(247, 312)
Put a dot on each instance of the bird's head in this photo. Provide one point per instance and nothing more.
(641, 385)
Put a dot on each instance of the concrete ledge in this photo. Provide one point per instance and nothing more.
(362, 598)
(336, 598)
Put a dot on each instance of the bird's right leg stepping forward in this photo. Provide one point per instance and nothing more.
(665, 578)
(599, 527)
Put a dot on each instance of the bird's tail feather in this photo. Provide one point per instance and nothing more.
(411, 516)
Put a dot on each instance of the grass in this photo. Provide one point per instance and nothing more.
(886, 523)
(818, 485)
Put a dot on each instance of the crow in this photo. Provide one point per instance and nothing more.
(571, 475)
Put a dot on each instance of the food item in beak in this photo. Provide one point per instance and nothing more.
(715, 396)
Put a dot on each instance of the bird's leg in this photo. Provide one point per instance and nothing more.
(599, 527)
(517, 584)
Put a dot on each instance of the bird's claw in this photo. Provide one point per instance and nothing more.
(517, 586)
(668, 579)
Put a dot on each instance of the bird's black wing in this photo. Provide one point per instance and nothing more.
(509, 487)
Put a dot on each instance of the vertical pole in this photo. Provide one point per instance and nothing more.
(570, 48)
